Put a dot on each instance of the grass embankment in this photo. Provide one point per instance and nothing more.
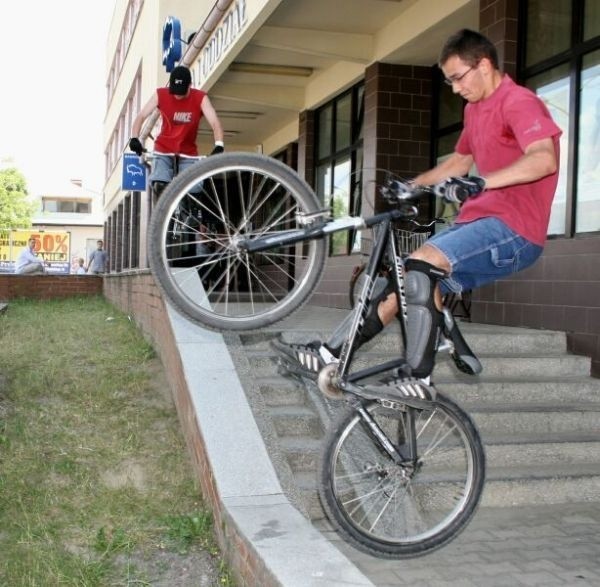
(96, 487)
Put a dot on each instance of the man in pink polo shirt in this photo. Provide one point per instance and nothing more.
(501, 227)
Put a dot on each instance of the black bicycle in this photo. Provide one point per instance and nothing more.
(403, 467)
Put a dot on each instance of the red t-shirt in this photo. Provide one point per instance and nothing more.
(180, 121)
(496, 132)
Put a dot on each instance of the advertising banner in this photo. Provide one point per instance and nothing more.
(52, 246)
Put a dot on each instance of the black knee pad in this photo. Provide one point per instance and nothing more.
(423, 321)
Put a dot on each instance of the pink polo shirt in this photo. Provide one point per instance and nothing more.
(496, 133)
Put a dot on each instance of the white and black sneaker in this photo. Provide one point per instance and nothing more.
(305, 359)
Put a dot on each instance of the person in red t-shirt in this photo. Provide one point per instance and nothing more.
(501, 227)
(181, 108)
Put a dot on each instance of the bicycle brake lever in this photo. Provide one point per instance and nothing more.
(306, 218)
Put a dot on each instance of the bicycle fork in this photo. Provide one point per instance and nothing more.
(409, 440)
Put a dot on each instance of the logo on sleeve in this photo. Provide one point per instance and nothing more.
(535, 127)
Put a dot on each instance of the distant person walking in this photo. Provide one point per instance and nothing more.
(98, 260)
(80, 266)
(28, 262)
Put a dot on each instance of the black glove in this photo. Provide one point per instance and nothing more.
(217, 149)
(136, 146)
(458, 189)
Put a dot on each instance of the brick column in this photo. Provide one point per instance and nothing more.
(306, 146)
(498, 21)
(397, 124)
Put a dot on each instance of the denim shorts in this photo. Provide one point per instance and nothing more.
(482, 251)
(162, 168)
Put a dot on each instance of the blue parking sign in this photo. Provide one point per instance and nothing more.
(134, 173)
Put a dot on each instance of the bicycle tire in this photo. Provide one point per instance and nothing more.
(243, 194)
(389, 516)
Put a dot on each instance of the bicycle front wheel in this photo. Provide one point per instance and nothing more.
(393, 510)
(193, 242)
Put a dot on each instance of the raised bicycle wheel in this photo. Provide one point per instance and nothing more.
(193, 242)
(400, 511)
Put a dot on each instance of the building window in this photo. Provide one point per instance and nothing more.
(560, 61)
(339, 140)
(447, 123)
(62, 206)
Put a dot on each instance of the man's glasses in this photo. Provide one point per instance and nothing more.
(454, 80)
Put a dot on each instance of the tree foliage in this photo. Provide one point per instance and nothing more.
(16, 210)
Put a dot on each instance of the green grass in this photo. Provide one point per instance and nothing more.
(96, 487)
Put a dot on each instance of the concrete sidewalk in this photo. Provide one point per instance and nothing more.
(546, 545)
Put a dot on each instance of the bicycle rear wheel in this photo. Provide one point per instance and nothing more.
(211, 280)
(400, 511)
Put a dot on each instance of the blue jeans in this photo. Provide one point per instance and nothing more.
(482, 251)
(163, 169)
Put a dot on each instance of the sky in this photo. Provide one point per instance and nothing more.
(53, 96)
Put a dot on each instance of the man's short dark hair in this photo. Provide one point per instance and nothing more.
(470, 46)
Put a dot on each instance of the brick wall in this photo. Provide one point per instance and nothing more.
(397, 124)
(559, 292)
(42, 287)
(136, 294)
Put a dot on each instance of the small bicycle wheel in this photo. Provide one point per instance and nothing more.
(402, 510)
(193, 242)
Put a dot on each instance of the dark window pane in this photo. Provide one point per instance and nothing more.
(447, 211)
(548, 30)
(446, 144)
(325, 118)
(591, 20)
(360, 110)
(553, 87)
(588, 180)
(451, 107)
(343, 122)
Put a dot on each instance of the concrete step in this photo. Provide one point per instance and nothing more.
(566, 448)
(538, 485)
(533, 419)
(510, 390)
(487, 342)
(296, 421)
(264, 364)
(281, 391)
(536, 407)
(482, 339)
(559, 449)
(302, 452)
(505, 487)
(519, 367)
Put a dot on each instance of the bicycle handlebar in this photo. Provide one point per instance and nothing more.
(395, 191)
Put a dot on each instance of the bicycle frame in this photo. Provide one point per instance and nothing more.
(384, 242)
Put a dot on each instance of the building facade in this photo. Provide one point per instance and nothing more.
(341, 91)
